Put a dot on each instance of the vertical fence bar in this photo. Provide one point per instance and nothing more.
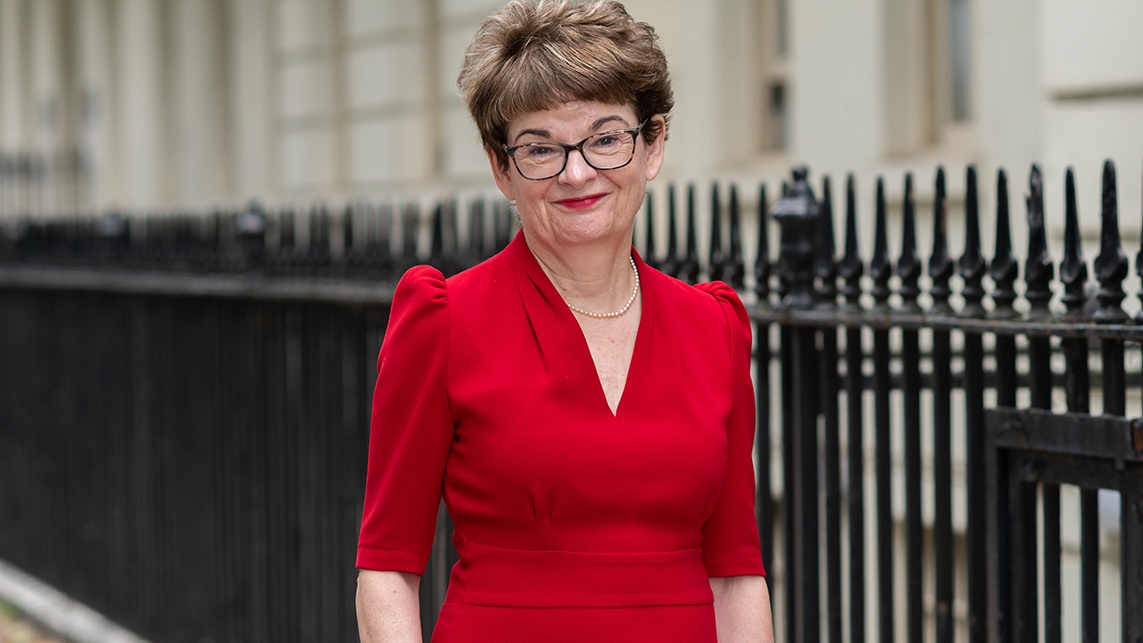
(670, 263)
(830, 389)
(1022, 525)
(763, 356)
(1077, 388)
(734, 270)
(799, 214)
(972, 267)
(909, 273)
(804, 496)
(1038, 274)
(1009, 582)
(851, 269)
(1131, 535)
(717, 256)
(1110, 270)
(650, 256)
(689, 270)
(791, 578)
(944, 559)
(880, 270)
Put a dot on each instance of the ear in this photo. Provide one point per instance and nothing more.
(655, 150)
(501, 174)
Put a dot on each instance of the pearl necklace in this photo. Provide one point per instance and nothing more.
(621, 311)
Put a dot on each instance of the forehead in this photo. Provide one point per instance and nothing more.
(573, 118)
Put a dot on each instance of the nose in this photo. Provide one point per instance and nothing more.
(576, 170)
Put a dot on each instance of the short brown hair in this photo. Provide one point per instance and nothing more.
(533, 55)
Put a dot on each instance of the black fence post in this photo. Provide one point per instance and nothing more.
(798, 212)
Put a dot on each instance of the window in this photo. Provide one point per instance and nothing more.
(773, 81)
(958, 61)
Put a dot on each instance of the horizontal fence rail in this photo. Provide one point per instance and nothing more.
(184, 407)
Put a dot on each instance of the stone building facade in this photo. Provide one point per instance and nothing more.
(167, 104)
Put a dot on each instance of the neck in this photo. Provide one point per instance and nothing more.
(597, 278)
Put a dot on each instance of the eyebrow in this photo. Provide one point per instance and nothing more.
(546, 134)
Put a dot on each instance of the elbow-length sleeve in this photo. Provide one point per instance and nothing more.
(411, 429)
(730, 538)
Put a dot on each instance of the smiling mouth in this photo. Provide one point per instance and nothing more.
(581, 203)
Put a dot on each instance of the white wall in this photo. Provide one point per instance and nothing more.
(1092, 63)
(839, 84)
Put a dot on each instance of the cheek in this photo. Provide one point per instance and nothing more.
(529, 195)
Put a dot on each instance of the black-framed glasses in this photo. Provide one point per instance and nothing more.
(609, 150)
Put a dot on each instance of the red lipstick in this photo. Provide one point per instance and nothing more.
(580, 203)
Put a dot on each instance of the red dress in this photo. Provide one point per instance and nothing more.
(571, 523)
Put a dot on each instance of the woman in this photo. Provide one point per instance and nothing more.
(587, 419)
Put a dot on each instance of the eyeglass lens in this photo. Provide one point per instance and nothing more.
(605, 151)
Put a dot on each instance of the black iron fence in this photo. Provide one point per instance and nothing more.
(184, 401)
(996, 372)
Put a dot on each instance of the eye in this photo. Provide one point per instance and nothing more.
(608, 141)
(539, 151)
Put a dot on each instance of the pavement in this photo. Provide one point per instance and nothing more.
(14, 628)
(33, 612)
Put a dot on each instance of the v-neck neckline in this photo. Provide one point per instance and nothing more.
(552, 321)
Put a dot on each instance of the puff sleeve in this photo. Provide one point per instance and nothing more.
(730, 537)
(411, 429)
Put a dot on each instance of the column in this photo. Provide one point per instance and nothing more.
(305, 103)
(13, 98)
(13, 75)
(140, 108)
(250, 108)
(95, 135)
(48, 105)
(197, 91)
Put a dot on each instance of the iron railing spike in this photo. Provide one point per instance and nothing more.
(385, 236)
(940, 265)
(476, 230)
(1111, 264)
(690, 265)
(1004, 270)
(717, 256)
(762, 256)
(409, 226)
(825, 267)
(735, 268)
(880, 267)
(908, 265)
(1038, 268)
(436, 248)
(1139, 272)
(649, 238)
(670, 263)
(851, 267)
(972, 265)
(1073, 268)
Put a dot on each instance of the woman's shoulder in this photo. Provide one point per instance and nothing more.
(424, 281)
(420, 285)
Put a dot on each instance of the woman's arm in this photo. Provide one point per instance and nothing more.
(388, 607)
(742, 609)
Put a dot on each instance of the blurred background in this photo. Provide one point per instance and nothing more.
(159, 105)
(150, 108)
